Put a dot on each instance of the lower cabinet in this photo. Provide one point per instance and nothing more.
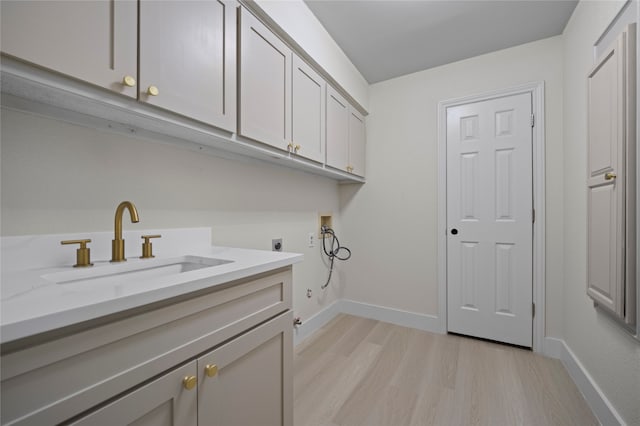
(222, 357)
(248, 381)
(164, 401)
(244, 382)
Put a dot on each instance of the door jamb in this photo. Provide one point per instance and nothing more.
(537, 96)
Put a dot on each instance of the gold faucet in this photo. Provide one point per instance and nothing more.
(117, 245)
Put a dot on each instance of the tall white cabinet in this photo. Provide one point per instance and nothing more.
(611, 175)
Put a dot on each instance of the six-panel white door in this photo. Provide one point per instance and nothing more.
(489, 218)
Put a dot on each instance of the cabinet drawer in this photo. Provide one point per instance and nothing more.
(53, 381)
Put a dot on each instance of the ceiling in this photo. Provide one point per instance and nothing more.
(389, 38)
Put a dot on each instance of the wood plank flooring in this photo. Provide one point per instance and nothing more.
(357, 371)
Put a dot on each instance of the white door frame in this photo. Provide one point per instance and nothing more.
(537, 95)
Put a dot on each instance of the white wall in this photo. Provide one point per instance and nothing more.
(390, 223)
(61, 178)
(297, 20)
(609, 354)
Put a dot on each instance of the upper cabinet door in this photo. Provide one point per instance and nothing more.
(337, 130)
(308, 120)
(606, 180)
(357, 142)
(265, 84)
(188, 57)
(308, 115)
(94, 41)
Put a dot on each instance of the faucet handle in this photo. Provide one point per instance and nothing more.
(83, 254)
(147, 248)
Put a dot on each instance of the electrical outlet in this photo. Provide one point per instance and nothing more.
(276, 244)
(311, 240)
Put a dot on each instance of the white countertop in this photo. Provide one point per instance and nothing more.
(31, 304)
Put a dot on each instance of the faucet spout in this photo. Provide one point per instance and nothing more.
(117, 245)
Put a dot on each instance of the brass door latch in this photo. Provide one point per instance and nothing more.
(83, 254)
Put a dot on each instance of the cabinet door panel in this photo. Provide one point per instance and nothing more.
(187, 51)
(308, 111)
(265, 84)
(357, 143)
(162, 402)
(337, 130)
(94, 41)
(606, 221)
(253, 384)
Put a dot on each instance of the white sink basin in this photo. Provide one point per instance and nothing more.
(135, 270)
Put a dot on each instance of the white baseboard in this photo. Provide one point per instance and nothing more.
(314, 323)
(343, 306)
(394, 316)
(600, 405)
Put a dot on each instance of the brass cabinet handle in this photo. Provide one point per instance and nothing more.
(349, 169)
(211, 370)
(83, 254)
(290, 146)
(609, 176)
(297, 148)
(153, 91)
(129, 81)
(189, 382)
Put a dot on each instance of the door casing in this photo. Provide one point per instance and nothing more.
(537, 95)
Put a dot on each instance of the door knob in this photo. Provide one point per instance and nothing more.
(454, 231)
(153, 91)
(609, 176)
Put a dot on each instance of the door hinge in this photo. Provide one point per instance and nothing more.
(533, 309)
(533, 216)
(533, 120)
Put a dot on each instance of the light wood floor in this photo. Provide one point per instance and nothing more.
(356, 371)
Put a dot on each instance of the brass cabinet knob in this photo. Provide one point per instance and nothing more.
(349, 169)
(129, 81)
(609, 176)
(189, 382)
(147, 247)
(153, 91)
(83, 254)
(290, 146)
(211, 370)
(297, 148)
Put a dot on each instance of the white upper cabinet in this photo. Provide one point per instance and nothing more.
(357, 143)
(265, 84)
(345, 135)
(337, 130)
(308, 109)
(188, 59)
(94, 41)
